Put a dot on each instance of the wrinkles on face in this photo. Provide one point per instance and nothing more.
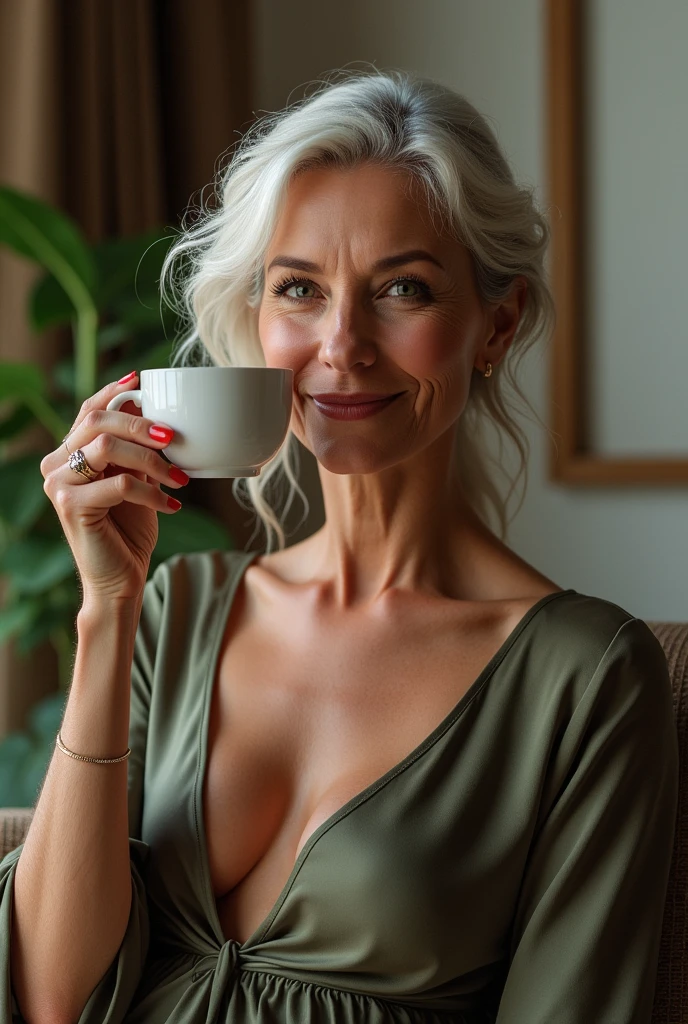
(368, 296)
(346, 326)
(434, 392)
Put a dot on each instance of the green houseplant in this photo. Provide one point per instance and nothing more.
(109, 294)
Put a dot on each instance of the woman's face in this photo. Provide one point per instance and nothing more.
(363, 294)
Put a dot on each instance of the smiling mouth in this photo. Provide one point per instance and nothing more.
(356, 398)
(353, 410)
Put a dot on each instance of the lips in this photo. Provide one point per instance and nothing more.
(353, 410)
(353, 398)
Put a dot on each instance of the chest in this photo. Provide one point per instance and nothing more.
(305, 715)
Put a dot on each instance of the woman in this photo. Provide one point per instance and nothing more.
(393, 772)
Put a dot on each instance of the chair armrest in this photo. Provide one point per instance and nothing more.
(14, 825)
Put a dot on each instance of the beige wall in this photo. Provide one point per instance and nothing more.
(626, 545)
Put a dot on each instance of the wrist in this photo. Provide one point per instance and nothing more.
(95, 611)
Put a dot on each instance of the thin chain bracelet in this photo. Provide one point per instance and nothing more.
(96, 760)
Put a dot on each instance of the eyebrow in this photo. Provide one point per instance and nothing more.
(387, 263)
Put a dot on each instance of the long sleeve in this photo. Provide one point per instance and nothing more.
(588, 921)
(110, 999)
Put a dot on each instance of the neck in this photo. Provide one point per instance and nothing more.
(404, 528)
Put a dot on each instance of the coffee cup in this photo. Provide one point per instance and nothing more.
(228, 421)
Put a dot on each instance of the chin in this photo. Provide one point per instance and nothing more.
(346, 459)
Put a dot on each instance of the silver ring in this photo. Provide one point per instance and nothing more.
(64, 442)
(77, 462)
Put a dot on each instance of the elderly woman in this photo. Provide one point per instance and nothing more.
(392, 773)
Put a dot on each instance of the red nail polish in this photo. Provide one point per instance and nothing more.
(161, 433)
(178, 475)
(173, 503)
(128, 377)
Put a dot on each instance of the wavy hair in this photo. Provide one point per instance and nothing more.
(213, 272)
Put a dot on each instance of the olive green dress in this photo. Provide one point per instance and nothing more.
(512, 868)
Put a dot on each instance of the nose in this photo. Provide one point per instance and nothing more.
(347, 337)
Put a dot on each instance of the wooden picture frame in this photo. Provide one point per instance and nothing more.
(575, 462)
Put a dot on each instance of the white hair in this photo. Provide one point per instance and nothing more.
(395, 119)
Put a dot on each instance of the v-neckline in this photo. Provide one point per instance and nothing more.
(223, 608)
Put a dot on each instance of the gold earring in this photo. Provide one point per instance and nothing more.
(488, 371)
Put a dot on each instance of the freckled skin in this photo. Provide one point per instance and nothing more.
(392, 476)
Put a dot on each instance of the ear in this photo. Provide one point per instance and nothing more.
(504, 319)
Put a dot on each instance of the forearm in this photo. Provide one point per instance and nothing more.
(72, 887)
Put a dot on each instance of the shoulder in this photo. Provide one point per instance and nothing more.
(597, 651)
(196, 574)
(586, 628)
(598, 681)
(182, 600)
(184, 591)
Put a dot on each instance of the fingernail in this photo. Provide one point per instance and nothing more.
(128, 377)
(178, 475)
(161, 433)
(173, 503)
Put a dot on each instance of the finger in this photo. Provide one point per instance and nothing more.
(144, 432)
(107, 450)
(97, 401)
(112, 421)
(101, 398)
(112, 469)
(73, 502)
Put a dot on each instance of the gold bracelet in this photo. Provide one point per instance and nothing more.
(97, 760)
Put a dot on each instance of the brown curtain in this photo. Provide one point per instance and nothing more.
(116, 111)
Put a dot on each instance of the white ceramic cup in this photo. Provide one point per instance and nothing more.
(228, 421)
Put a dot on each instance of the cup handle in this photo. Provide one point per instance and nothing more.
(126, 396)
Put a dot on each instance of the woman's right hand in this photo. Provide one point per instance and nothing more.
(110, 522)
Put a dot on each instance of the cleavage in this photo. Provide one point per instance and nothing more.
(292, 739)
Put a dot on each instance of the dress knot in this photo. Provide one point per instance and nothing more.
(225, 964)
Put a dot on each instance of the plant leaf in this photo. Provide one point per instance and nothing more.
(34, 564)
(150, 358)
(45, 716)
(49, 304)
(128, 267)
(22, 498)
(46, 235)
(64, 375)
(35, 767)
(15, 749)
(17, 380)
(156, 356)
(18, 420)
(190, 529)
(112, 335)
(26, 382)
(17, 617)
(139, 315)
(40, 629)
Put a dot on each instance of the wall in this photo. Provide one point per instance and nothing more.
(627, 545)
